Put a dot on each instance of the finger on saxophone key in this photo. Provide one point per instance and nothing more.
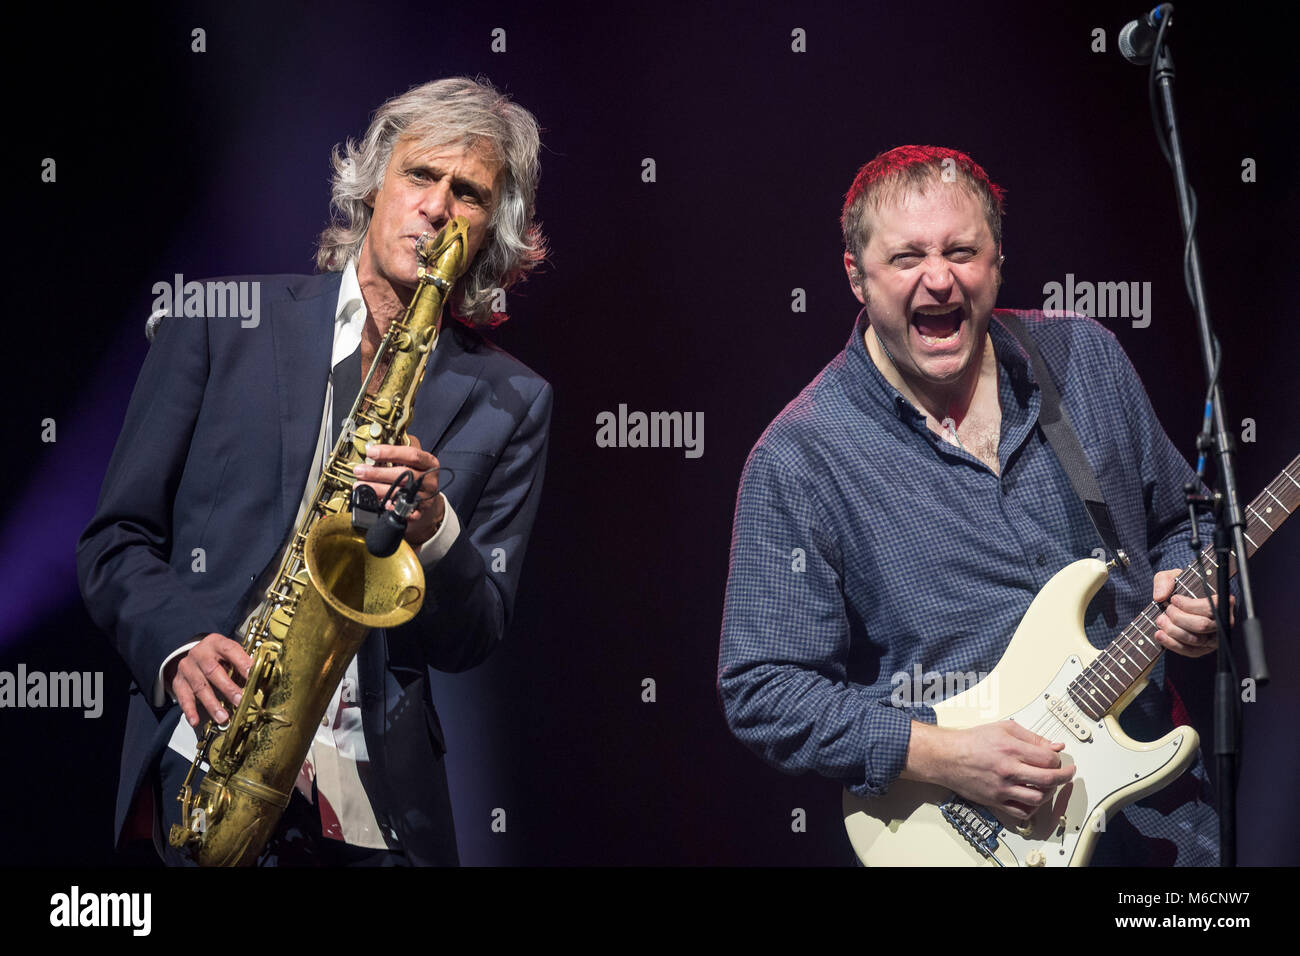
(199, 677)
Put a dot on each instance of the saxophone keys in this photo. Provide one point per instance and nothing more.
(279, 623)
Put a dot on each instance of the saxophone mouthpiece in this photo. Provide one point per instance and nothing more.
(433, 250)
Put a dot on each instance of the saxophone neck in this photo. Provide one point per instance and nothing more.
(443, 259)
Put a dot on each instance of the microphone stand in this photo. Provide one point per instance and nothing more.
(1230, 522)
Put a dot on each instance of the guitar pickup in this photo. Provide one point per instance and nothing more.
(1066, 713)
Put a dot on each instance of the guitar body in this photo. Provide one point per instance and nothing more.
(917, 824)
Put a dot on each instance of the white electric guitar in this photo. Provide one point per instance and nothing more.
(1052, 681)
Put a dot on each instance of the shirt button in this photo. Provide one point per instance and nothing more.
(1041, 560)
(324, 721)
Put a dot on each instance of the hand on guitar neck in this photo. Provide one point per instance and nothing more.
(1187, 625)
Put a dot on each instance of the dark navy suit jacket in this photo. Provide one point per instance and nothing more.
(215, 453)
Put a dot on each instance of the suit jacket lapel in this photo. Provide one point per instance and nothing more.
(452, 371)
(302, 327)
(302, 330)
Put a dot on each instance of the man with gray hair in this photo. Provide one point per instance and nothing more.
(224, 438)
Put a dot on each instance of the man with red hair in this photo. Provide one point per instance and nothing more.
(903, 511)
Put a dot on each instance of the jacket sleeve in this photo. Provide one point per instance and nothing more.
(470, 591)
(783, 664)
(123, 556)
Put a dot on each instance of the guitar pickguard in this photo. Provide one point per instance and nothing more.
(1107, 770)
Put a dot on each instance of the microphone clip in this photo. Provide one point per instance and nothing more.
(366, 507)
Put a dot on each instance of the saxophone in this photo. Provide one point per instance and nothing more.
(328, 592)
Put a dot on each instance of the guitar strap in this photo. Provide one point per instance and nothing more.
(1054, 421)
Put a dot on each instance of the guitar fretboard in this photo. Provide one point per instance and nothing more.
(1119, 666)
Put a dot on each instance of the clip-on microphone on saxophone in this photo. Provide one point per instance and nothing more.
(385, 528)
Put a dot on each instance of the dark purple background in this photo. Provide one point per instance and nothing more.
(666, 296)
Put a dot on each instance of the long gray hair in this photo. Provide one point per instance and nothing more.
(462, 112)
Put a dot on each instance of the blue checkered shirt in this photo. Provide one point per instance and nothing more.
(866, 547)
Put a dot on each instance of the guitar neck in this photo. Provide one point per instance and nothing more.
(1121, 665)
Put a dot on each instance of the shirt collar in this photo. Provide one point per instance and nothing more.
(349, 315)
(867, 386)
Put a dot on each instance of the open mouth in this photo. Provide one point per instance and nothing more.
(938, 324)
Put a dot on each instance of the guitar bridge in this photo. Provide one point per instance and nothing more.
(978, 826)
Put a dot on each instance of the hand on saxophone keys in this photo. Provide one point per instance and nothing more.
(390, 462)
(199, 677)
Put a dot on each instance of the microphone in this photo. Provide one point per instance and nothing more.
(1138, 37)
(384, 536)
